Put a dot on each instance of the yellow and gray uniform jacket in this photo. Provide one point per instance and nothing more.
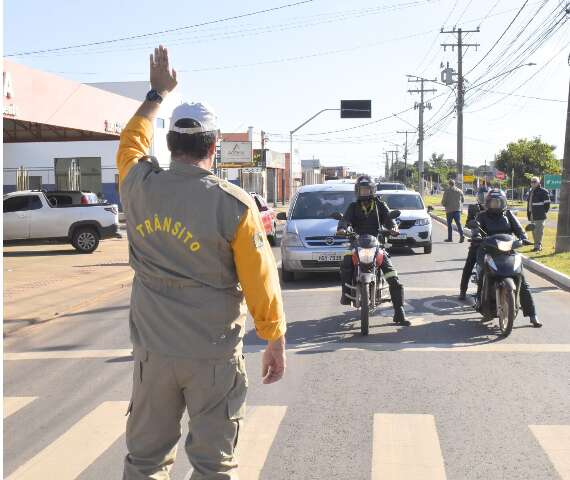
(198, 249)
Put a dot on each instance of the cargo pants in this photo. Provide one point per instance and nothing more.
(214, 394)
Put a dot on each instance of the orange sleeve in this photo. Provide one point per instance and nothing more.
(258, 276)
(134, 144)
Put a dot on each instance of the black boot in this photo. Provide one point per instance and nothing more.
(400, 317)
(397, 295)
(536, 323)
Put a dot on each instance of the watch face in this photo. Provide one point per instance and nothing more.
(153, 96)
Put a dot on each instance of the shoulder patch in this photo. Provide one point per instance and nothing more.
(236, 192)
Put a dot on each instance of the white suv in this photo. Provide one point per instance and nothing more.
(414, 221)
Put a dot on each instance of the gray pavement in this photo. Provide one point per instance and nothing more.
(482, 392)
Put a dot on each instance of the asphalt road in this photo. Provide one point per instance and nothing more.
(444, 398)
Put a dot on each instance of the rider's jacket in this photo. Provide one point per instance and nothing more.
(367, 219)
(495, 223)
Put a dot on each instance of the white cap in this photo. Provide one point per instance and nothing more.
(200, 112)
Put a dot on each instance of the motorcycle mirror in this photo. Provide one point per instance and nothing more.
(530, 227)
(430, 208)
(337, 215)
(395, 214)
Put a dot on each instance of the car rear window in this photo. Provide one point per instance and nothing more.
(320, 205)
(396, 201)
(390, 186)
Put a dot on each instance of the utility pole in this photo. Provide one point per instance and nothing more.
(460, 91)
(387, 167)
(421, 106)
(405, 132)
(563, 230)
(392, 152)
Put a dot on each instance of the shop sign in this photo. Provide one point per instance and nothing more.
(236, 152)
(252, 170)
(113, 127)
(274, 159)
(500, 175)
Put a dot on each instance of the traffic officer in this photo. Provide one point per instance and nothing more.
(198, 248)
(366, 216)
(536, 210)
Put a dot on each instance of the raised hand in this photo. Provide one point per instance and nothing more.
(162, 77)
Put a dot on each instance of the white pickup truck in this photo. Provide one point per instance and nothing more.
(30, 218)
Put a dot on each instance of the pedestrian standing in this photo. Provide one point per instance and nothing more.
(538, 204)
(198, 249)
(453, 202)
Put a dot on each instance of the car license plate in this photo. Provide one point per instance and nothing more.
(327, 257)
(402, 236)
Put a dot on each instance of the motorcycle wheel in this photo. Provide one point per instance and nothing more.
(506, 309)
(364, 310)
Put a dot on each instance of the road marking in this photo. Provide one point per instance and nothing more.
(13, 404)
(495, 347)
(337, 289)
(68, 354)
(259, 432)
(436, 347)
(406, 447)
(79, 447)
(555, 441)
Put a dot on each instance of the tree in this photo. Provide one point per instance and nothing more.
(527, 158)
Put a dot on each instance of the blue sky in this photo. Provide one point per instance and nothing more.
(276, 69)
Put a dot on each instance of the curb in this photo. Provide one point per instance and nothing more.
(554, 276)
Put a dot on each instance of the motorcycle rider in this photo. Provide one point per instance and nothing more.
(471, 259)
(496, 219)
(366, 217)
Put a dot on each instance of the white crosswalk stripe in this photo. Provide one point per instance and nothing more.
(79, 447)
(555, 441)
(406, 447)
(13, 404)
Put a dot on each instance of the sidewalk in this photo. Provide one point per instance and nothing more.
(49, 281)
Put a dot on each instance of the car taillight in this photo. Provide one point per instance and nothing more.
(84, 200)
(113, 210)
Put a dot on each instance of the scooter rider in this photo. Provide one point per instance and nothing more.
(497, 219)
(471, 259)
(366, 216)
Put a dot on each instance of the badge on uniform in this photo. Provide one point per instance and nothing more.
(258, 240)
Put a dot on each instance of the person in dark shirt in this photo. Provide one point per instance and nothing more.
(496, 219)
(471, 259)
(366, 216)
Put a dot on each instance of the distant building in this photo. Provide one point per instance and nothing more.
(335, 173)
(312, 174)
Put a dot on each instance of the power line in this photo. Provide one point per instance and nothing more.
(161, 32)
(500, 37)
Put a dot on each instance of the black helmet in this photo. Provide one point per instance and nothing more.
(365, 188)
(496, 201)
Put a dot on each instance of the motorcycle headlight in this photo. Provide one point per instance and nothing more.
(292, 240)
(489, 260)
(366, 255)
(505, 245)
(421, 221)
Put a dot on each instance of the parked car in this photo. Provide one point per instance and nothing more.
(309, 242)
(30, 218)
(390, 186)
(414, 220)
(62, 197)
(268, 216)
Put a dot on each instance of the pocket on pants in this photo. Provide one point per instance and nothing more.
(238, 393)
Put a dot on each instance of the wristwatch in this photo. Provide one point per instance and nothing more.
(154, 96)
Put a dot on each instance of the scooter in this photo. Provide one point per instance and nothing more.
(500, 275)
(368, 287)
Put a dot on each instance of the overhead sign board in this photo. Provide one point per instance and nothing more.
(236, 153)
(274, 159)
(552, 182)
(355, 108)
